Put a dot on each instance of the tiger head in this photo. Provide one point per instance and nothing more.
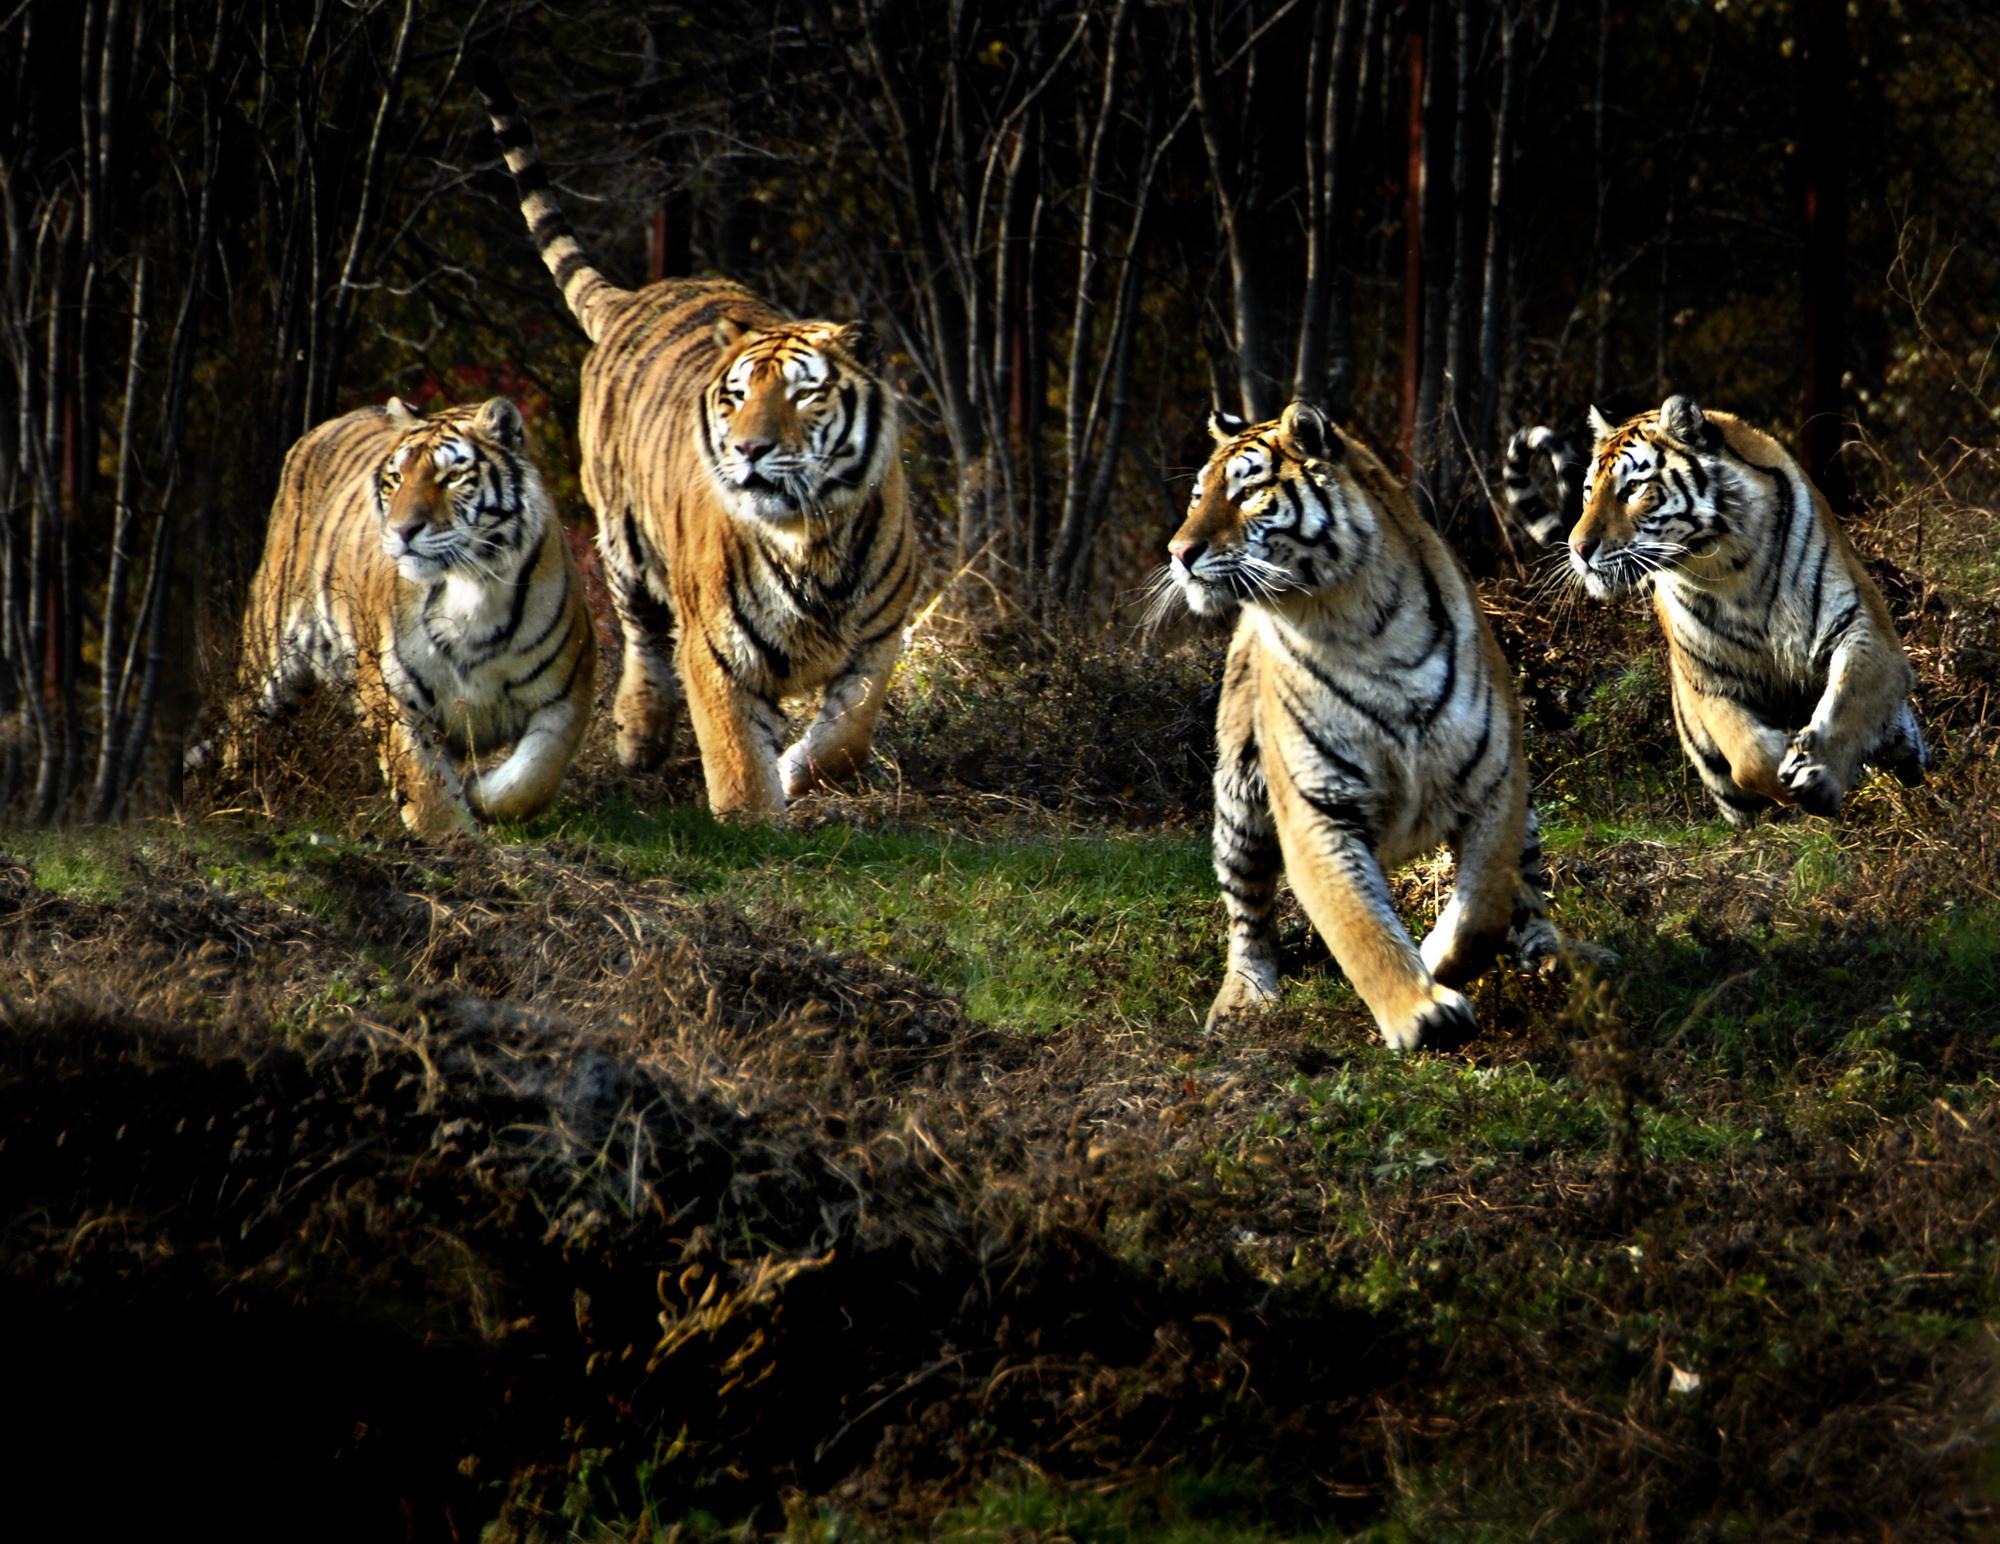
(796, 424)
(456, 492)
(1654, 499)
(1275, 511)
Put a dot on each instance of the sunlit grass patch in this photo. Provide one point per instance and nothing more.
(85, 865)
(1032, 931)
(1384, 1118)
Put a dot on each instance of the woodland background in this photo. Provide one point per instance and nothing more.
(628, 1176)
(226, 220)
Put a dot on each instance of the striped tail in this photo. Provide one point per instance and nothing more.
(592, 298)
(1527, 505)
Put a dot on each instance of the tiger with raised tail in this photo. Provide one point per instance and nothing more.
(1787, 676)
(417, 563)
(1367, 716)
(746, 473)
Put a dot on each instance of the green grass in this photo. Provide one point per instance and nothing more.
(1571, 829)
(1216, 1507)
(1034, 932)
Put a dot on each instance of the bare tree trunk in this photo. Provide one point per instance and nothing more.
(1231, 169)
(1826, 239)
(1492, 296)
(1319, 127)
(328, 354)
(1456, 393)
(942, 282)
(1600, 296)
(1436, 232)
(111, 725)
(1077, 414)
(1413, 253)
(1093, 457)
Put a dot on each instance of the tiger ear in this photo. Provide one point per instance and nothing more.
(1224, 427)
(1686, 424)
(1600, 426)
(860, 343)
(499, 421)
(400, 410)
(1307, 428)
(729, 332)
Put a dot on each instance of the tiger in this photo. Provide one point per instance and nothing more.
(746, 472)
(1367, 716)
(416, 563)
(1787, 677)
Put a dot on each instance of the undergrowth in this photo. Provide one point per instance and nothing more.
(634, 1176)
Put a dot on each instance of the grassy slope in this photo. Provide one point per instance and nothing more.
(1698, 1246)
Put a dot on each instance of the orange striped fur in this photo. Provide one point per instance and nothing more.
(746, 474)
(416, 563)
(1367, 716)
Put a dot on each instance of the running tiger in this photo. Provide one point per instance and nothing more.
(749, 494)
(416, 562)
(1367, 716)
(1788, 677)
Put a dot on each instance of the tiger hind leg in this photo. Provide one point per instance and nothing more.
(1532, 939)
(1534, 942)
(1472, 928)
(269, 688)
(1247, 865)
(1903, 751)
(647, 707)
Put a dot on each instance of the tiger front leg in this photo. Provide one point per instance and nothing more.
(1735, 753)
(835, 745)
(528, 779)
(1247, 865)
(1532, 937)
(423, 780)
(1333, 869)
(739, 733)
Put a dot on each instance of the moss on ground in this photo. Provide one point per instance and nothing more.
(868, 1173)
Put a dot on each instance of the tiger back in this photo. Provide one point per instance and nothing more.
(416, 564)
(1367, 715)
(745, 468)
(1788, 679)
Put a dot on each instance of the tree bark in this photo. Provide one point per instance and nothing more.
(1825, 146)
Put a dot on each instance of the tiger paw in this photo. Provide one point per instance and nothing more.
(1535, 945)
(437, 820)
(1245, 993)
(1807, 779)
(639, 749)
(1446, 1020)
(1903, 752)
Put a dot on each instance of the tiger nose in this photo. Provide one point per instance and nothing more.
(1187, 553)
(409, 530)
(750, 450)
(1584, 547)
